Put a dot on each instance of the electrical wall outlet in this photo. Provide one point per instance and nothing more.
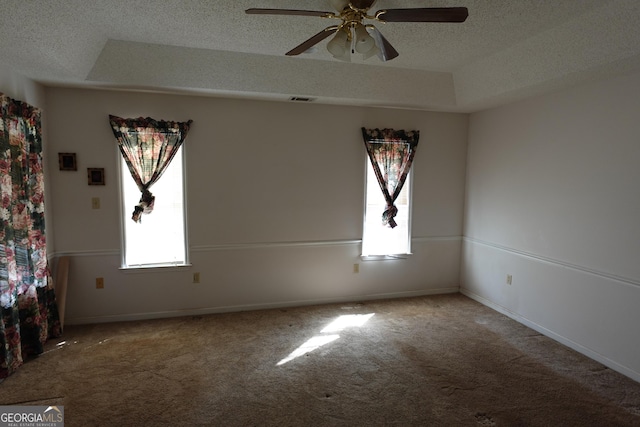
(99, 283)
(509, 279)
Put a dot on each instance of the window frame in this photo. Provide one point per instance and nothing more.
(122, 168)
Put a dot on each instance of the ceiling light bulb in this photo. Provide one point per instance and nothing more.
(339, 44)
(364, 42)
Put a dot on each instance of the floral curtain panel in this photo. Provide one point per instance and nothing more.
(391, 153)
(27, 300)
(148, 146)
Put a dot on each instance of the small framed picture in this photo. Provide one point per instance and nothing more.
(96, 176)
(67, 161)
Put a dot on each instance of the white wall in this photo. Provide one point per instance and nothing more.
(275, 199)
(553, 198)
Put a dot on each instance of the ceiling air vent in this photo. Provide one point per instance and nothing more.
(301, 99)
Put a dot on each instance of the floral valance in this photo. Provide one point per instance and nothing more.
(391, 154)
(147, 146)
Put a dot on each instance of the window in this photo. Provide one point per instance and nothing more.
(379, 239)
(160, 238)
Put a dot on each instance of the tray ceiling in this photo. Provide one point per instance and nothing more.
(506, 50)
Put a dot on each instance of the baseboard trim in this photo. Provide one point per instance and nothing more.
(251, 307)
(556, 337)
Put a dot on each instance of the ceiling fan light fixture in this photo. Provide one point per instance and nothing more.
(346, 56)
(375, 50)
(339, 44)
(364, 42)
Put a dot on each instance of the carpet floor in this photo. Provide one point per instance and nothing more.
(442, 360)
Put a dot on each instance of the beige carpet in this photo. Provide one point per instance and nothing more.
(429, 361)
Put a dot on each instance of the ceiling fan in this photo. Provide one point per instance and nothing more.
(353, 35)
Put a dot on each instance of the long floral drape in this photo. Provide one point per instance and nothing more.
(391, 154)
(27, 299)
(148, 146)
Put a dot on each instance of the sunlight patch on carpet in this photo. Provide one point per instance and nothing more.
(339, 324)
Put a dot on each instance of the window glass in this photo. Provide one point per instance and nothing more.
(379, 239)
(159, 239)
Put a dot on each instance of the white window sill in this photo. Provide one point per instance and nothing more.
(154, 268)
(384, 257)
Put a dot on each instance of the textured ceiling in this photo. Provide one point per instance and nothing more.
(506, 50)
